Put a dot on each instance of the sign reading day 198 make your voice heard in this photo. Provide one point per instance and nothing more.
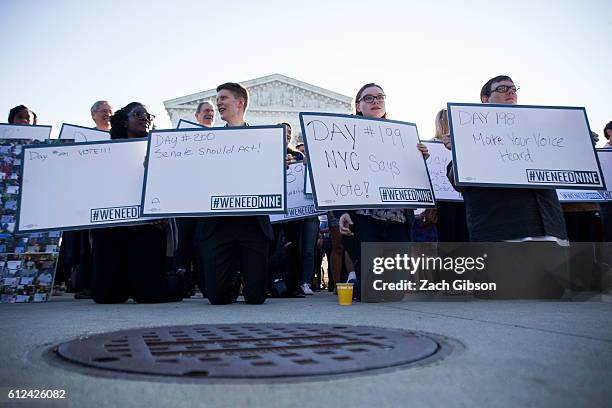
(215, 171)
(440, 156)
(523, 146)
(84, 185)
(357, 162)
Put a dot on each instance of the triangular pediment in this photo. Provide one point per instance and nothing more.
(274, 93)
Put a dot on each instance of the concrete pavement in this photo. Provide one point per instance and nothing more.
(506, 354)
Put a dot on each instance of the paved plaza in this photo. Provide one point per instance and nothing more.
(505, 354)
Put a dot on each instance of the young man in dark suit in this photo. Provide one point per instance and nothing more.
(225, 239)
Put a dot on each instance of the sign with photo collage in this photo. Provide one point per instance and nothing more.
(27, 262)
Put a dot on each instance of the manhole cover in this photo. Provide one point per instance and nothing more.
(250, 350)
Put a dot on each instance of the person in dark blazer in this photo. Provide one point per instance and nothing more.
(222, 240)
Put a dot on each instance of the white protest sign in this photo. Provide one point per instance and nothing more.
(358, 162)
(185, 124)
(299, 205)
(215, 171)
(579, 196)
(307, 183)
(439, 157)
(605, 160)
(85, 185)
(82, 134)
(33, 132)
(529, 146)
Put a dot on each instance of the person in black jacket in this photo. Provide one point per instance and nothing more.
(246, 238)
(506, 214)
(131, 261)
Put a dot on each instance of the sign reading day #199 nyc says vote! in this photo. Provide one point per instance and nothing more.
(84, 185)
(299, 204)
(215, 171)
(528, 146)
(358, 162)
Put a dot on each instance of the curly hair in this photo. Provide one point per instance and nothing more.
(119, 121)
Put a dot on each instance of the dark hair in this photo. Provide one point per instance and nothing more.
(13, 112)
(358, 97)
(119, 120)
(203, 103)
(286, 124)
(608, 127)
(237, 90)
(486, 88)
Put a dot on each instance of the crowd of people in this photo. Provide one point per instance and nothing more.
(165, 260)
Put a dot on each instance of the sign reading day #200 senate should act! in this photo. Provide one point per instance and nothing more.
(215, 171)
(523, 146)
(358, 162)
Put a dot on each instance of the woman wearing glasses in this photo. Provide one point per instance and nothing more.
(131, 261)
(374, 225)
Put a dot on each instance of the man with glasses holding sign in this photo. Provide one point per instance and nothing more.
(518, 215)
(504, 214)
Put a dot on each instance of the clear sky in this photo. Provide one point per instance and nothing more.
(58, 57)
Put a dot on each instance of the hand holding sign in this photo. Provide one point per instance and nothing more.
(359, 162)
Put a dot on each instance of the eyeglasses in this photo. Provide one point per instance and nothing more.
(143, 115)
(370, 98)
(105, 111)
(506, 88)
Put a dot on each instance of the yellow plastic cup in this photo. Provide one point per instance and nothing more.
(345, 293)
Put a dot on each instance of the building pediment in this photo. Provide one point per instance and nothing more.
(274, 93)
(273, 99)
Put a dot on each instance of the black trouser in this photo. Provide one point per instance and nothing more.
(74, 262)
(606, 218)
(131, 262)
(452, 226)
(368, 229)
(235, 237)
(184, 256)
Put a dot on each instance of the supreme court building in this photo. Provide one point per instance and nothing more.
(273, 99)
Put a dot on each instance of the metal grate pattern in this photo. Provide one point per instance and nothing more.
(250, 350)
